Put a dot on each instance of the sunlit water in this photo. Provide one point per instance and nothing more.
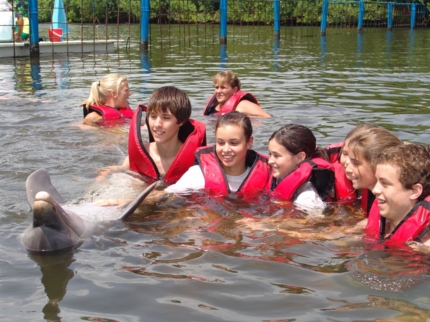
(189, 259)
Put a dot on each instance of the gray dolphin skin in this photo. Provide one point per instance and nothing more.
(53, 228)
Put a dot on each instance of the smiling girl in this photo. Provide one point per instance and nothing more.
(230, 165)
(300, 170)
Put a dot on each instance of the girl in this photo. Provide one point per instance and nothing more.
(230, 165)
(228, 97)
(363, 150)
(300, 170)
(338, 154)
(108, 101)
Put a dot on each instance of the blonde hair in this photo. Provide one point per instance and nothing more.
(100, 90)
(227, 76)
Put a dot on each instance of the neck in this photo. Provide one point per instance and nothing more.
(235, 171)
(167, 149)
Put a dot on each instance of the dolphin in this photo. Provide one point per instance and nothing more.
(54, 228)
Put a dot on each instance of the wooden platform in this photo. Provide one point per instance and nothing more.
(8, 49)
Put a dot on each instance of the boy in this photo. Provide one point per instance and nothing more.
(401, 210)
(173, 136)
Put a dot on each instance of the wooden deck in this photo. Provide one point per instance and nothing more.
(10, 49)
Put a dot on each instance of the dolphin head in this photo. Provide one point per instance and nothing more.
(53, 228)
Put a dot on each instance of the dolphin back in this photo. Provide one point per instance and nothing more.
(38, 181)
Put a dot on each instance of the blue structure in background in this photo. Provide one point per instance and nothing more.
(34, 27)
(324, 18)
(59, 18)
(277, 18)
(223, 21)
(145, 6)
(360, 17)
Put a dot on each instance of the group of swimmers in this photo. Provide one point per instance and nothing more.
(391, 178)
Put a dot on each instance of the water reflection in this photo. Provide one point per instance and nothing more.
(323, 44)
(276, 64)
(359, 49)
(146, 74)
(36, 83)
(223, 58)
(60, 67)
(56, 274)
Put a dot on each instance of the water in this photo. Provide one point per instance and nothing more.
(190, 260)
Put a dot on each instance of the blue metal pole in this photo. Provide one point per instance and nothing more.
(223, 21)
(413, 14)
(145, 6)
(361, 17)
(324, 18)
(34, 28)
(277, 18)
(390, 16)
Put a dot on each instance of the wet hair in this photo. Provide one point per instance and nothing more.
(297, 138)
(413, 161)
(100, 90)
(227, 76)
(236, 119)
(369, 144)
(170, 99)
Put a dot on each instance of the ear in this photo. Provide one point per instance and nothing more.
(249, 143)
(236, 89)
(301, 156)
(416, 191)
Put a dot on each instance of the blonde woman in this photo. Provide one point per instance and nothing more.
(108, 101)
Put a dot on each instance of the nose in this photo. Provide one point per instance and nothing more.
(158, 122)
(348, 169)
(376, 189)
(226, 147)
(270, 161)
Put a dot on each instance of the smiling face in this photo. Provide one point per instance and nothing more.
(163, 126)
(359, 171)
(223, 91)
(282, 161)
(121, 99)
(231, 148)
(394, 200)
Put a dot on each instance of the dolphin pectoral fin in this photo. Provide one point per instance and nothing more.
(40, 180)
(132, 206)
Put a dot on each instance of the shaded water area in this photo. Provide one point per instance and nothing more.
(191, 258)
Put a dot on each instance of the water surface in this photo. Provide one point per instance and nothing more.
(189, 259)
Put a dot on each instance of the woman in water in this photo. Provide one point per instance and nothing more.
(228, 97)
(108, 101)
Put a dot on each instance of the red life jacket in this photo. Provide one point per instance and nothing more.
(215, 179)
(317, 171)
(228, 106)
(110, 115)
(412, 227)
(343, 186)
(192, 133)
